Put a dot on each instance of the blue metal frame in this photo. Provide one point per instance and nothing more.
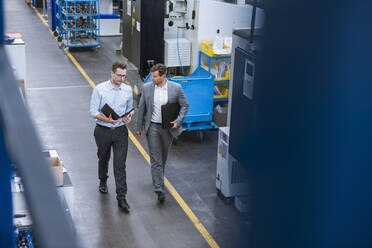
(64, 31)
(1, 23)
(6, 210)
(109, 16)
(25, 236)
(210, 59)
(52, 14)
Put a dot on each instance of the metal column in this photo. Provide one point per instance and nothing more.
(18, 135)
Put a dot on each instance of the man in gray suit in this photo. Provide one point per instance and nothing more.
(159, 139)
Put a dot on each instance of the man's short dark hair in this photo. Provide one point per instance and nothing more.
(162, 69)
(118, 64)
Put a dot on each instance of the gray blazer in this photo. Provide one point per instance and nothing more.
(175, 94)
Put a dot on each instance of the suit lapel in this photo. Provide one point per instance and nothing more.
(169, 90)
(152, 90)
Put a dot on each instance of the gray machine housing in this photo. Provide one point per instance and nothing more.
(232, 175)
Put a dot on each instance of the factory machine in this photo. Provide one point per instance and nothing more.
(231, 175)
(171, 31)
(143, 36)
(22, 219)
(233, 158)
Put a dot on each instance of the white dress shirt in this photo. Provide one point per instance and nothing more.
(160, 98)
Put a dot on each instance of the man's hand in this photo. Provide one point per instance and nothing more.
(139, 133)
(112, 121)
(127, 119)
(174, 124)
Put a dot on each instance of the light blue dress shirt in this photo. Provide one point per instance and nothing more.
(119, 99)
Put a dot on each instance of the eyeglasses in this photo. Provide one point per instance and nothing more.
(122, 76)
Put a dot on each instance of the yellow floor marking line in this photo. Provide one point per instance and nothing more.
(199, 226)
(39, 15)
(203, 231)
(85, 75)
(139, 147)
(73, 60)
(45, 23)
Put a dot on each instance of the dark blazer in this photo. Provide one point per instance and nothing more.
(175, 94)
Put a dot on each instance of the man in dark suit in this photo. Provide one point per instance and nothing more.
(154, 95)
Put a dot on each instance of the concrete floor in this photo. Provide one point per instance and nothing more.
(58, 98)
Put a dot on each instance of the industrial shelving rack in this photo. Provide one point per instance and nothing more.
(222, 81)
(78, 23)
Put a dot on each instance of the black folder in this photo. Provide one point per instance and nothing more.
(169, 113)
(107, 110)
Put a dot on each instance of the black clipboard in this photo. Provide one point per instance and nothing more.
(127, 113)
(169, 113)
(107, 110)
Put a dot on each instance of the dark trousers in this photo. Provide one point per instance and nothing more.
(117, 139)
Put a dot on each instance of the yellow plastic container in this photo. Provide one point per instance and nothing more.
(207, 48)
(226, 76)
(224, 94)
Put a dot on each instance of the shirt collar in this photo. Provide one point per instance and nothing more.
(113, 87)
(165, 87)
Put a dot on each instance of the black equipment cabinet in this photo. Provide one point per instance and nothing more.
(244, 95)
(242, 118)
(143, 33)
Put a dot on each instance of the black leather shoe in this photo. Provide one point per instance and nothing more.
(161, 196)
(103, 187)
(123, 204)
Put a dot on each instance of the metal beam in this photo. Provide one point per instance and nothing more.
(1, 22)
(50, 224)
(6, 212)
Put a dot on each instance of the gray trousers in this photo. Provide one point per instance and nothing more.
(118, 140)
(159, 141)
